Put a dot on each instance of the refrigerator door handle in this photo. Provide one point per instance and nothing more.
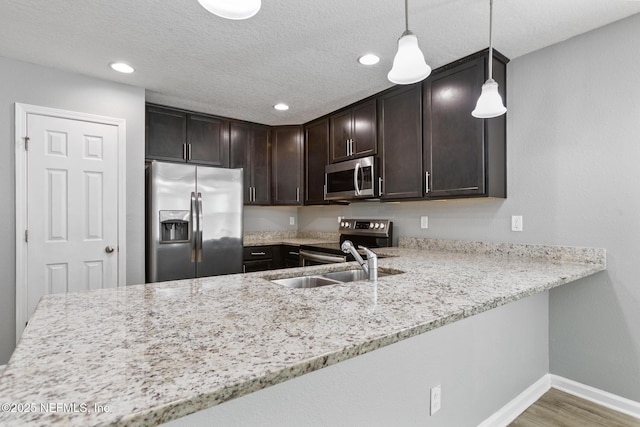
(194, 227)
(200, 225)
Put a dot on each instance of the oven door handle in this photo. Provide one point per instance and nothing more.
(318, 257)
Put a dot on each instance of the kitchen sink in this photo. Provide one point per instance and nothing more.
(306, 282)
(332, 278)
(351, 275)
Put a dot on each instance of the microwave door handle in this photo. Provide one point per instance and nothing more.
(200, 225)
(194, 226)
(356, 172)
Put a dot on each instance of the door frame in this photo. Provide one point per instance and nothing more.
(21, 171)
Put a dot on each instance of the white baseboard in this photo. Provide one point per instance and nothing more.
(603, 398)
(520, 403)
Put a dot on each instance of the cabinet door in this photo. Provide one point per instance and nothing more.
(287, 165)
(364, 129)
(260, 165)
(166, 134)
(340, 134)
(316, 158)
(454, 143)
(209, 140)
(239, 146)
(400, 131)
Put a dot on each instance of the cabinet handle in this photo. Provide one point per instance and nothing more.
(244, 268)
(297, 194)
(189, 152)
(250, 194)
(380, 188)
(258, 253)
(254, 194)
(294, 253)
(426, 182)
(353, 144)
(184, 151)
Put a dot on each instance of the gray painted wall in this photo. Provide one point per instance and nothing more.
(32, 84)
(573, 151)
(481, 362)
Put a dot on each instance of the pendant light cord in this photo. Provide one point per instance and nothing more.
(490, 39)
(406, 15)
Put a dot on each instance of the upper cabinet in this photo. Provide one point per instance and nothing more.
(400, 139)
(463, 156)
(251, 150)
(287, 177)
(316, 157)
(181, 136)
(353, 132)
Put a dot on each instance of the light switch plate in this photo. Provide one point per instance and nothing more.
(424, 222)
(292, 220)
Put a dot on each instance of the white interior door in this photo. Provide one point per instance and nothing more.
(72, 199)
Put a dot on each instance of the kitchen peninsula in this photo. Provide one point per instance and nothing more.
(148, 354)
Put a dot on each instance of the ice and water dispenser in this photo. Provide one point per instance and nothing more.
(174, 226)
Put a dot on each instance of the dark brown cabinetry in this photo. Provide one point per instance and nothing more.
(316, 157)
(251, 150)
(400, 139)
(463, 156)
(353, 132)
(257, 258)
(181, 136)
(286, 165)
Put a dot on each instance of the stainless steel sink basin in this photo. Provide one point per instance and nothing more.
(306, 282)
(351, 275)
(332, 278)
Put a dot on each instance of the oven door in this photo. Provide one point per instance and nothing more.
(317, 258)
(353, 179)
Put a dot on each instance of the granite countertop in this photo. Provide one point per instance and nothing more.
(146, 354)
(294, 238)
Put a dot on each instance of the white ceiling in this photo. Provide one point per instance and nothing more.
(301, 52)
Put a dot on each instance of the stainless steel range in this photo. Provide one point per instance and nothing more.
(372, 233)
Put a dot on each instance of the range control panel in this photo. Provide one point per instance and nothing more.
(371, 227)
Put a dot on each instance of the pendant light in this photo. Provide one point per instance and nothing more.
(232, 9)
(409, 65)
(490, 102)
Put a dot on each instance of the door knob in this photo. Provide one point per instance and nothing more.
(109, 249)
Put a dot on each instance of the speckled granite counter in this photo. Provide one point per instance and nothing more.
(294, 238)
(145, 354)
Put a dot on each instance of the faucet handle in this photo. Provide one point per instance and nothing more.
(346, 246)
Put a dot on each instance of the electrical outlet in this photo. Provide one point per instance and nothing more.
(292, 220)
(436, 399)
(516, 223)
(424, 222)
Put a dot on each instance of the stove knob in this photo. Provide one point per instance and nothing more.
(342, 224)
(381, 225)
(376, 226)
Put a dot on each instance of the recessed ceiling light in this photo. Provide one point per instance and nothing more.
(232, 9)
(369, 59)
(281, 107)
(121, 67)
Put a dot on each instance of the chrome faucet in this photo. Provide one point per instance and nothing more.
(371, 266)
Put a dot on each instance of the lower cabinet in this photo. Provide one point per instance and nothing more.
(257, 258)
(270, 257)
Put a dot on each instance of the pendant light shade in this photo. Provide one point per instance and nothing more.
(490, 102)
(409, 65)
(232, 9)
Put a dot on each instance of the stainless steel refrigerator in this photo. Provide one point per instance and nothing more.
(194, 221)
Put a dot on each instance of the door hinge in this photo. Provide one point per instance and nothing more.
(26, 235)
(26, 143)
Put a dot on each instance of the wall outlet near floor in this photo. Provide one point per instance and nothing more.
(516, 223)
(424, 222)
(436, 399)
(292, 220)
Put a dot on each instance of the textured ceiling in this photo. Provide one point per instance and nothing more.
(301, 52)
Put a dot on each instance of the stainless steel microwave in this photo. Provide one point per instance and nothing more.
(351, 179)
